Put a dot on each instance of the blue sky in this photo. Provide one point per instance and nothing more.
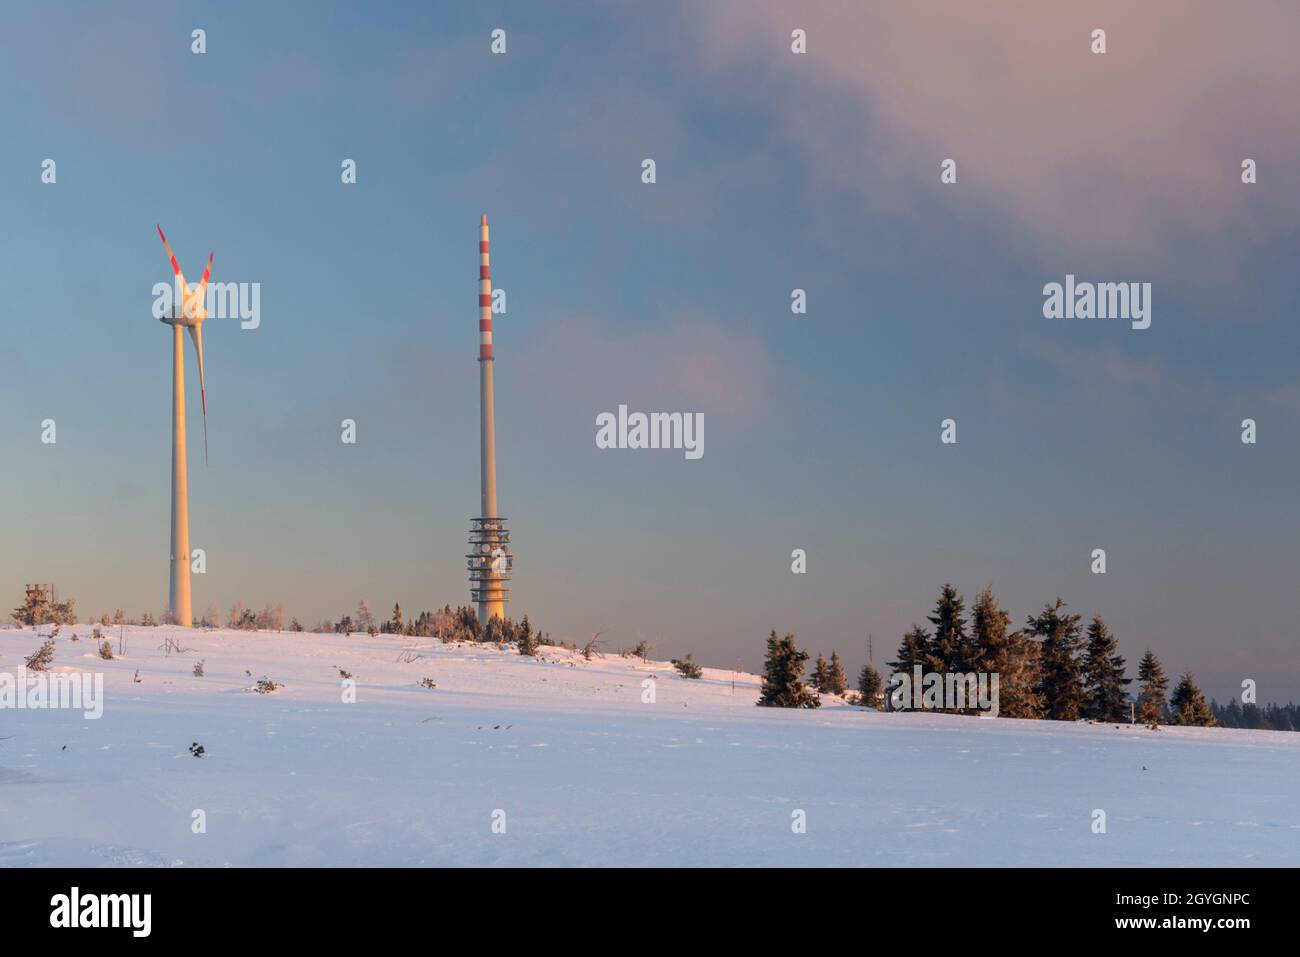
(774, 172)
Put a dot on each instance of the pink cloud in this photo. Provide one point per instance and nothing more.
(1122, 153)
(1105, 371)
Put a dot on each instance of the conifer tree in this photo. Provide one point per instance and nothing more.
(1021, 695)
(914, 650)
(783, 674)
(994, 650)
(869, 686)
(1154, 684)
(526, 639)
(35, 609)
(948, 646)
(365, 618)
(988, 632)
(1103, 675)
(837, 681)
(1061, 679)
(395, 624)
(820, 675)
(1188, 705)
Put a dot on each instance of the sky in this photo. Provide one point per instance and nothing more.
(775, 171)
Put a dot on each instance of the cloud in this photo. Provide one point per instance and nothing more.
(1134, 153)
(1108, 376)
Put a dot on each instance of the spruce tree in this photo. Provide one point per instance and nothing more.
(947, 649)
(914, 650)
(1061, 679)
(869, 686)
(1154, 684)
(783, 674)
(35, 609)
(526, 639)
(1188, 705)
(820, 674)
(994, 650)
(836, 681)
(988, 632)
(1103, 675)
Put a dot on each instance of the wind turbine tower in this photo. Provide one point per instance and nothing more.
(193, 312)
(489, 560)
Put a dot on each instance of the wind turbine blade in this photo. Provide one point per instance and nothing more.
(207, 274)
(175, 265)
(196, 333)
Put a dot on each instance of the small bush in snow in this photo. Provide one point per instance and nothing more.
(197, 750)
(266, 685)
(688, 668)
(427, 683)
(106, 650)
(198, 669)
(42, 658)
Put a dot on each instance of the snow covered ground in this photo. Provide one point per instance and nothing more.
(584, 771)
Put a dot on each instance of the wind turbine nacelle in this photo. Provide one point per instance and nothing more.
(180, 317)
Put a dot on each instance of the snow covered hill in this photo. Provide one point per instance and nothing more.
(564, 756)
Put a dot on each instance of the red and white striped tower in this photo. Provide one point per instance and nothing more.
(484, 297)
(490, 560)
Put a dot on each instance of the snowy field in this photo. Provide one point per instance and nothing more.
(585, 773)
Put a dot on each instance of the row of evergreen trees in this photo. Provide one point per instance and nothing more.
(1270, 717)
(462, 624)
(1052, 667)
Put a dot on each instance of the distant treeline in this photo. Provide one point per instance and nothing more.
(1271, 717)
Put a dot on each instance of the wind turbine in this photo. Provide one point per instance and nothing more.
(193, 312)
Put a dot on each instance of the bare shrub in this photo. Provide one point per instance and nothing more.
(171, 645)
